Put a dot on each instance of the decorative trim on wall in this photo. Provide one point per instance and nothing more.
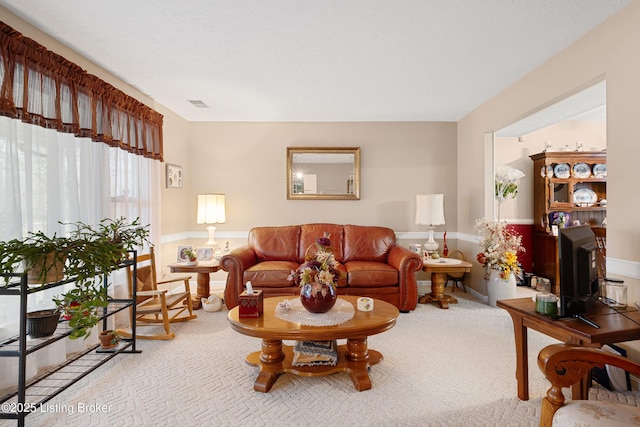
(400, 235)
(623, 267)
(518, 221)
(423, 235)
(471, 238)
(221, 235)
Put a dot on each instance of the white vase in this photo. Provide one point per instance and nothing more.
(499, 288)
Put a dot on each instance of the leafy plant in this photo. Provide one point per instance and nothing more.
(27, 253)
(80, 307)
(191, 254)
(90, 253)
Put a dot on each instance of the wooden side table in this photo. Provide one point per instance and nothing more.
(614, 327)
(204, 269)
(439, 269)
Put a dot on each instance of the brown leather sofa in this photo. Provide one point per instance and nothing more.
(374, 266)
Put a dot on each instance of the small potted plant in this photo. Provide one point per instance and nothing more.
(109, 338)
(191, 255)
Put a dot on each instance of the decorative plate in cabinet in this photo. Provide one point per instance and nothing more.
(585, 197)
(600, 170)
(562, 170)
(581, 170)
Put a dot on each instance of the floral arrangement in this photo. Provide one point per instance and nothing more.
(320, 268)
(506, 180)
(500, 247)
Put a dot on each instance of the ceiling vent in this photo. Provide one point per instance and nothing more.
(198, 103)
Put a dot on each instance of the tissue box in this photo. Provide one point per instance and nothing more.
(250, 304)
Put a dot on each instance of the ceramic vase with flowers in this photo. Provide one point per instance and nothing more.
(499, 255)
(318, 277)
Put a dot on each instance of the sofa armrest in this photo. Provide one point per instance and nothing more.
(407, 263)
(235, 263)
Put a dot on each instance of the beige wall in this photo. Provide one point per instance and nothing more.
(608, 52)
(177, 206)
(247, 162)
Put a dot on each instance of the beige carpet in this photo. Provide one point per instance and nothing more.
(451, 367)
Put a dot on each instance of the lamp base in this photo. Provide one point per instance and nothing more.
(211, 242)
(431, 245)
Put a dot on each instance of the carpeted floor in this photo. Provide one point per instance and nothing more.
(451, 367)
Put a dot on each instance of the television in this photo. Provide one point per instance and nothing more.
(578, 271)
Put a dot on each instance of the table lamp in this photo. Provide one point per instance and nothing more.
(211, 210)
(430, 212)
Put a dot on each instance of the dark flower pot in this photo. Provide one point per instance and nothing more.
(42, 323)
(318, 303)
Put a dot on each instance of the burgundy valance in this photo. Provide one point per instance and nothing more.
(43, 88)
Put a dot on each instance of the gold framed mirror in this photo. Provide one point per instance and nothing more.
(323, 173)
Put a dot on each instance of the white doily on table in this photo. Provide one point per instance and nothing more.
(339, 313)
(442, 261)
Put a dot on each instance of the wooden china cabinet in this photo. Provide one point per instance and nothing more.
(570, 185)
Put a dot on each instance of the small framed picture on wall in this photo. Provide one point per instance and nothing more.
(174, 176)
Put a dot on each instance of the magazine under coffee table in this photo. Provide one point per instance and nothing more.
(354, 357)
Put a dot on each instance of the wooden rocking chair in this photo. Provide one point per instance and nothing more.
(159, 307)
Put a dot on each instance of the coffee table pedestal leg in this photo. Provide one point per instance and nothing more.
(275, 358)
(270, 365)
(357, 355)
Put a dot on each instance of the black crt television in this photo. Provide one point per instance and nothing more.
(578, 270)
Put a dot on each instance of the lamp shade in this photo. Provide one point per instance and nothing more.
(430, 209)
(211, 209)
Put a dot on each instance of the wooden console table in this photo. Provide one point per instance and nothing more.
(203, 268)
(614, 328)
(439, 269)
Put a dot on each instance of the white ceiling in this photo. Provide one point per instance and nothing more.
(318, 60)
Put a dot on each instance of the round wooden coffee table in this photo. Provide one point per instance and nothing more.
(276, 358)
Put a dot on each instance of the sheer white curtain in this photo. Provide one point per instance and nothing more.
(48, 177)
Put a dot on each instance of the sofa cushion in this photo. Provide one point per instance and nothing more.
(309, 233)
(370, 274)
(270, 274)
(275, 243)
(364, 243)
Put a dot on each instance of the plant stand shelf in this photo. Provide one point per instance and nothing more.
(32, 395)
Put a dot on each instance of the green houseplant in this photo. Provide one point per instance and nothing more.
(88, 252)
(43, 256)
